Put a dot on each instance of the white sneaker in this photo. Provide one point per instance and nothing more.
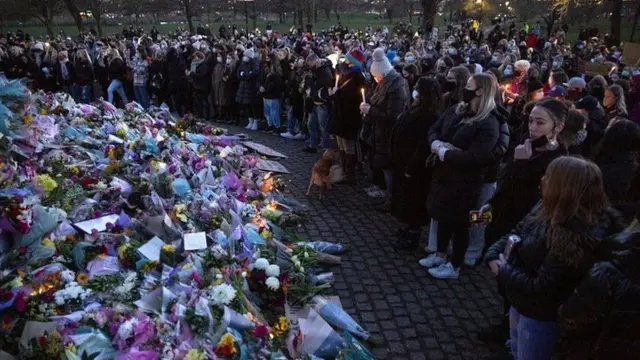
(254, 126)
(445, 271)
(287, 135)
(299, 136)
(431, 261)
(248, 127)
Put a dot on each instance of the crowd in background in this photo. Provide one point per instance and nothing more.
(453, 126)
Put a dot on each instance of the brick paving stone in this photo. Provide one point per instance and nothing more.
(413, 315)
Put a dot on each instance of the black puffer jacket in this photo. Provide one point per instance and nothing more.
(116, 69)
(601, 319)
(518, 191)
(345, 120)
(458, 179)
(501, 146)
(545, 267)
(618, 172)
(322, 82)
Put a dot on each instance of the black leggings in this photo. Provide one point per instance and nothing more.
(460, 234)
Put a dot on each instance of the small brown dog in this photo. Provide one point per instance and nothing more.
(326, 171)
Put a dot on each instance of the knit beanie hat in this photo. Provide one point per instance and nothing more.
(355, 57)
(380, 65)
(248, 53)
(534, 85)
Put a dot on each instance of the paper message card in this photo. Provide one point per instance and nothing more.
(195, 241)
(152, 248)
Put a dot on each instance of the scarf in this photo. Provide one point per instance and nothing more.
(64, 71)
(382, 88)
(195, 63)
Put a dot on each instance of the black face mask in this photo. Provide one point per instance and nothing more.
(573, 95)
(517, 73)
(449, 86)
(468, 95)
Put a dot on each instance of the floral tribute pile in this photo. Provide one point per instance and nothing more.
(127, 234)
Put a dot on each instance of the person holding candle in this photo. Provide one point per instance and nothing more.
(345, 119)
(390, 98)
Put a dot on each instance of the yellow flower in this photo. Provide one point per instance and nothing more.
(180, 212)
(168, 248)
(149, 266)
(283, 323)
(82, 278)
(71, 347)
(266, 234)
(43, 111)
(123, 249)
(74, 169)
(28, 119)
(195, 354)
(48, 243)
(227, 344)
(46, 183)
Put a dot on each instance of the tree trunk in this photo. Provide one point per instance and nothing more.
(327, 13)
(75, 14)
(335, 10)
(616, 19)
(390, 15)
(47, 25)
(635, 23)
(255, 16)
(189, 15)
(429, 10)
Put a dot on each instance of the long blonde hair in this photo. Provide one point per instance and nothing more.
(487, 84)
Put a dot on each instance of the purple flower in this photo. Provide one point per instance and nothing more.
(143, 330)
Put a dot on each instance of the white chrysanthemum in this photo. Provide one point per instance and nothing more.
(273, 283)
(273, 270)
(222, 294)
(301, 269)
(67, 276)
(261, 264)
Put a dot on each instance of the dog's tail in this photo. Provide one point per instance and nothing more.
(336, 174)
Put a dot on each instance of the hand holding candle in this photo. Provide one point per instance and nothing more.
(364, 100)
(337, 80)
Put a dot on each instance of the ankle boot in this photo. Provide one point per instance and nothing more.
(350, 168)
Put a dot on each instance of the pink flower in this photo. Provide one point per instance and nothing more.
(260, 331)
(98, 213)
(20, 302)
(23, 250)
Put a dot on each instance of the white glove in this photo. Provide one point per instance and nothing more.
(441, 151)
(435, 145)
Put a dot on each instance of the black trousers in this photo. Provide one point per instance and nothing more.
(460, 235)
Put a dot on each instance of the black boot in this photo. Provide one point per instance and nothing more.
(350, 168)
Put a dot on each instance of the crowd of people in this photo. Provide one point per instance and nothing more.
(507, 144)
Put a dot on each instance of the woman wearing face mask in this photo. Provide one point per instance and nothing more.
(518, 83)
(558, 239)
(453, 88)
(411, 74)
(463, 139)
(200, 76)
(389, 100)
(409, 151)
(614, 104)
(219, 78)
(247, 74)
(140, 69)
(345, 120)
(597, 86)
(534, 92)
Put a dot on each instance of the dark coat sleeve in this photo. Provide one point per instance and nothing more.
(395, 104)
(420, 154)
(480, 151)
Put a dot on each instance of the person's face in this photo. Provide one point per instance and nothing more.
(405, 74)
(551, 82)
(537, 95)
(540, 123)
(451, 76)
(609, 99)
(378, 78)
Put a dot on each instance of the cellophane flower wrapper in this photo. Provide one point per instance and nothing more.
(103, 265)
(354, 350)
(319, 337)
(337, 317)
(93, 341)
(45, 221)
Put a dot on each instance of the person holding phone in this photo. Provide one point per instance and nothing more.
(518, 189)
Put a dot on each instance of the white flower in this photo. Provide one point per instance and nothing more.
(219, 276)
(296, 263)
(67, 276)
(273, 283)
(306, 254)
(301, 269)
(222, 294)
(289, 251)
(294, 258)
(207, 163)
(261, 264)
(101, 185)
(244, 274)
(273, 270)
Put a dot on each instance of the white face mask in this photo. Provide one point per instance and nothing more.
(245, 59)
(219, 58)
(228, 61)
(508, 72)
(414, 94)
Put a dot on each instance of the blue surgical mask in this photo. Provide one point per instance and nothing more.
(414, 94)
(410, 59)
(453, 51)
(624, 74)
(581, 136)
(494, 59)
(508, 72)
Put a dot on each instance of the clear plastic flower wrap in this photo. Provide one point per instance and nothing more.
(335, 316)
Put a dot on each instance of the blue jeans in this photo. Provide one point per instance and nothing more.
(271, 109)
(291, 120)
(116, 85)
(86, 93)
(318, 121)
(142, 95)
(531, 339)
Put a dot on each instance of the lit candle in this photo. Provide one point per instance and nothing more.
(364, 100)
(337, 80)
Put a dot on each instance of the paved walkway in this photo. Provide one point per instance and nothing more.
(384, 288)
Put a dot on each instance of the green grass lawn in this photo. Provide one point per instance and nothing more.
(358, 21)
